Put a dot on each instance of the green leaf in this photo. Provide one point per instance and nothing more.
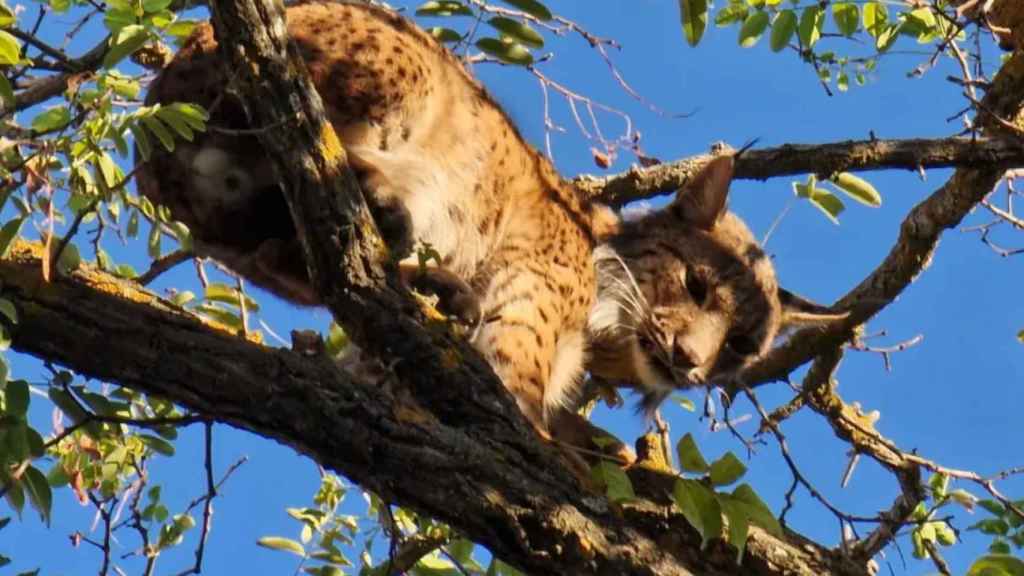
(699, 506)
(52, 119)
(39, 492)
(847, 17)
(226, 317)
(7, 16)
(875, 18)
(220, 292)
(520, 31)
(184, 297)
(843, 81)
(7, 309)
(16, 398)
(160, 130)
(121, 85)
(15, 496)
(133, 224)
(337, 340)
(443, 8)
(739, 525)
(756, 509)
(731, 14)
(964, 499)
(70, 259)
(67, 404)
(444, 34)
(150, 6)
(999, 547)
(182, 28)
(6, 92)
(508, 52)
(782, 30)
(938, 484)
(533, 8)
(684, 402)
(727, 470)
(944, 534)
(992, 526)
(829, 204)
(36, 445)
(753, 27)
(857, 188)
(8, 233)
(992, 506)
(16, 439)
(176, 121)
(887, 37)
(285, 544)
(690, 458)
(141, 140)
(617, 486)
(108, 169)
(997, 564)
(694, 14)
(158, 445)
(153, 242)
(124, 43)
(461, 550)
(10, 49)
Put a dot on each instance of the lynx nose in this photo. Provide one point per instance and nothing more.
(686, 356)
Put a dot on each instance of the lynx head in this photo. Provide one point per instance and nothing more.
(220, 183)
(686, 295)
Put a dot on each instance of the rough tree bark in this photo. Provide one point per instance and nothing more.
(446, 412)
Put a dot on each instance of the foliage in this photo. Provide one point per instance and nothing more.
(704, 507)
(803, 25)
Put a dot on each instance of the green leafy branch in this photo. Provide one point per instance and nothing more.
(801, 26)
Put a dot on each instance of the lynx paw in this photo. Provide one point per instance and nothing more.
(455, 297)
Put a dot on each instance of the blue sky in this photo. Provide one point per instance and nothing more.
(955, 398)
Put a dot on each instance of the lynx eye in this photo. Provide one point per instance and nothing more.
(742, 345)
(697, 288)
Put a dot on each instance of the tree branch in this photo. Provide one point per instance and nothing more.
(46, 87)
(821, 159)
(483, 474)
(914, 249)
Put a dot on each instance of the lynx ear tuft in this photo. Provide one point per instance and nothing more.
(703, 202)
(799, 311)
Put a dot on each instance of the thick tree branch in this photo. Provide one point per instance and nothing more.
(821, 159)
(478, 474)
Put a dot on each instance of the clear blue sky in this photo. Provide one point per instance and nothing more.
(955, 398)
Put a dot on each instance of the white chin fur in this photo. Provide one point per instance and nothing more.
(649, 378)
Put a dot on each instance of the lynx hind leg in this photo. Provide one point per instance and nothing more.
(578, 432)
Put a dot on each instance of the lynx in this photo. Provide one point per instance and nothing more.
(676, 299)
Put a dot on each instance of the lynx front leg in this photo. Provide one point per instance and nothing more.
(524, 338)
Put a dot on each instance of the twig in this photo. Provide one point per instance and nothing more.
(163, 264)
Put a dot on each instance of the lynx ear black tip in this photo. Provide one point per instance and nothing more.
(750, 144)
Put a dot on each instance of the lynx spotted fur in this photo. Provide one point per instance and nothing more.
(683, 296)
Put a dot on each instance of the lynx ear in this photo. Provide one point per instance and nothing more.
(703, 202)
(797, 310)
